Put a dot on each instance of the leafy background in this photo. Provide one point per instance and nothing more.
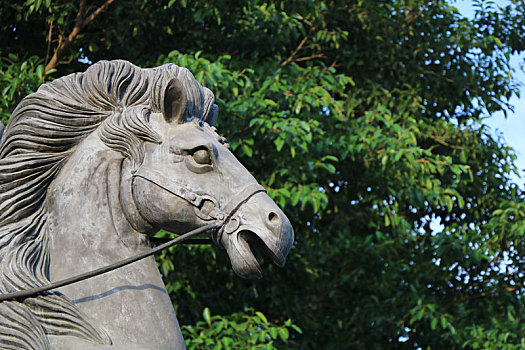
(366, 122)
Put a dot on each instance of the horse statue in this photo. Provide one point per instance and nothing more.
(91, 166)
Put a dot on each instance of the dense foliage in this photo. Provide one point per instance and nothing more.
(246, 329)
(365, 122)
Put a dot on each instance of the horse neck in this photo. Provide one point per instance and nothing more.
(87, 230)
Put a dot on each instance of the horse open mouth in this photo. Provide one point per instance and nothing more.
(258, 229)
(245, 247)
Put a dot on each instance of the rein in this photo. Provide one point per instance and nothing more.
(184, 238)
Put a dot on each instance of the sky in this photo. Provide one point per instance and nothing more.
(512, 127)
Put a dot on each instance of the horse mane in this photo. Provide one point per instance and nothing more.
(114, 97)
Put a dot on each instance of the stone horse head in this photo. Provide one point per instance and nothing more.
(91, 165)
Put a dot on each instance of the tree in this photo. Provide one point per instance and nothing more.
(365, 122)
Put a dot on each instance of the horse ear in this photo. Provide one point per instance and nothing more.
(174, 102)
(213, 114)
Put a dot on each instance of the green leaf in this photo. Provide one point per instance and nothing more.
(40, 70)
(262, 317)
(297, 329)
(279, 143)
(284, 334)
(433, 323)
(207, 316)
(273, 332)
(247, 150)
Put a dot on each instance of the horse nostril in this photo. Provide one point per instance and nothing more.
(273, 217)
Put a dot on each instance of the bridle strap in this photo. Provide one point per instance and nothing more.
(233, 205)
(196, 198)
(22, 294)
(240, 198)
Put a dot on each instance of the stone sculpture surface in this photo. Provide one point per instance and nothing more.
(91, 165)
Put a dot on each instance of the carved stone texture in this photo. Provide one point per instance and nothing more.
(91, 165)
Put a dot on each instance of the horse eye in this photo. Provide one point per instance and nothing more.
(202, 156)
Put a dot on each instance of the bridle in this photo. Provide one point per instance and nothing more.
(225, 214)
(223, 220)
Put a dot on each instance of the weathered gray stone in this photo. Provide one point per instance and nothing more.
(90, 166)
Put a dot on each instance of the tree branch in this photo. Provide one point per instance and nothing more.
(438, 139)
(410, 16)
(80, 23)
(489, 293)
(316, 55)
(49, 37)
(299, 47)
(97, 12)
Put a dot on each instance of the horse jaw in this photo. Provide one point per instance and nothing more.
(264, 228)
